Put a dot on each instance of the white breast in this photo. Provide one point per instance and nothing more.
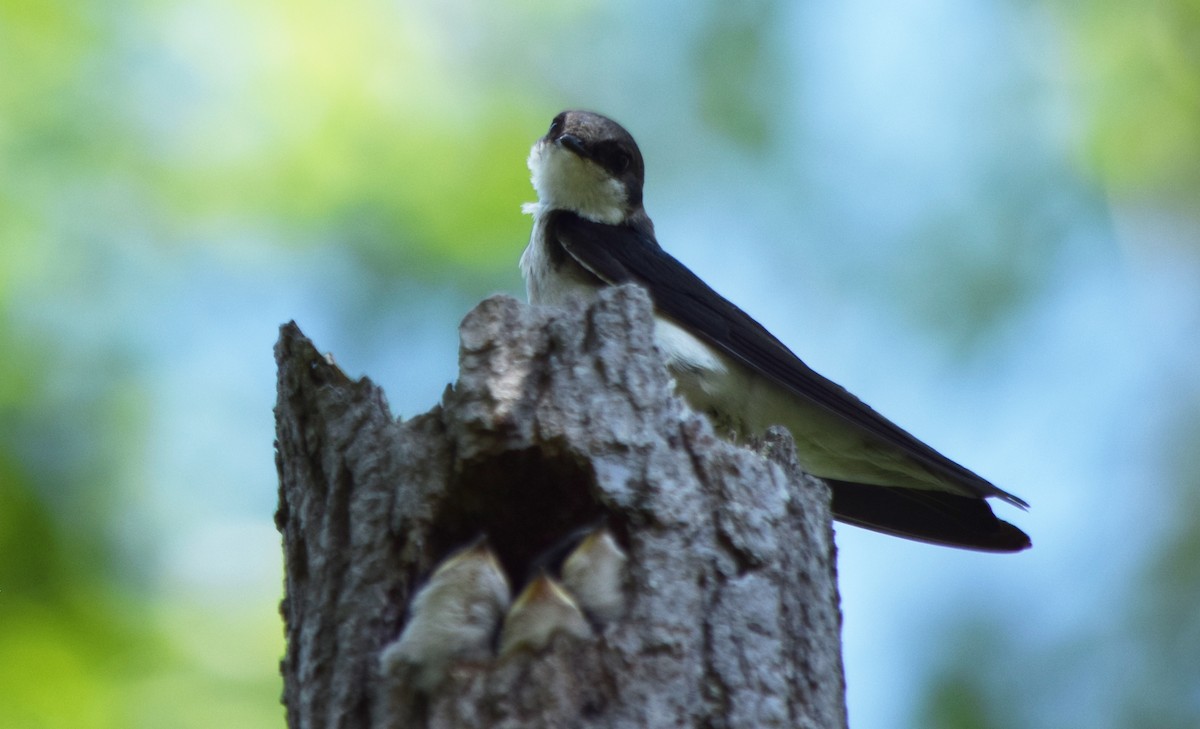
(545, 284)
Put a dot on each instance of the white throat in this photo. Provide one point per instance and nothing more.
(566, 181)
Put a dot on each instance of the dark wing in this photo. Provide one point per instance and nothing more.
(928, 516)
(624, 254)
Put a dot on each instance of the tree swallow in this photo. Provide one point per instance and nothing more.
(453, 617)
(540, 612)
(594, 574)
(590, 230)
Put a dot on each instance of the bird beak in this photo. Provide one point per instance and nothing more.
(573, 143)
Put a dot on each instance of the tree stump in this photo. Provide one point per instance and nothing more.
(560, 418)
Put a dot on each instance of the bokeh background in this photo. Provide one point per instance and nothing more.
(982, 216)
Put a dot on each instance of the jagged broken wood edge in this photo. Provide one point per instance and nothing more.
(559, 417)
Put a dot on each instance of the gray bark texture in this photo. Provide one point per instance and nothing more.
(559, 418)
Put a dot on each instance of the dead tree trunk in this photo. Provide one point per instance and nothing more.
(559, 418)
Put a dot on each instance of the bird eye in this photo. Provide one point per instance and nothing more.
(620, 161)
(555, 126)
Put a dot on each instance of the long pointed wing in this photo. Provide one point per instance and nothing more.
(937, 517)
(622, 254)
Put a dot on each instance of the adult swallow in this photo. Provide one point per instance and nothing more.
(590, 230)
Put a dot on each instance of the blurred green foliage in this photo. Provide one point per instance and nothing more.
(737, 54)
(1138, 67)
(135, 126)
(306, 117)
(1133, 663)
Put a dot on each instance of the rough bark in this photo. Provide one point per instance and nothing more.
(558, 418)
